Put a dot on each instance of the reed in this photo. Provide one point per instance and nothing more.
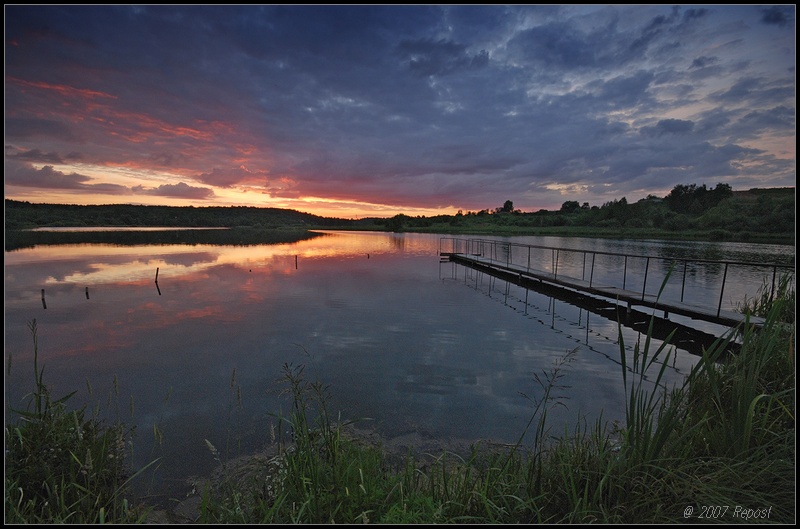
(65, 466)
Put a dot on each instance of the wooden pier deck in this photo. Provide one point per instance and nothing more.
(523, 276)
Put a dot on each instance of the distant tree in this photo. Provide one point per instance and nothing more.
(681, 197)
(617, 210)
(570, 206)
(397, 222)
(696, 199)
(508, 207)
(719, 193)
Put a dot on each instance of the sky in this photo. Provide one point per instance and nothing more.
(371, 111)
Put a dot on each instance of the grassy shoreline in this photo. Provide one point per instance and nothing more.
(243, 236)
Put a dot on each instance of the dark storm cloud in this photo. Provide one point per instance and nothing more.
(778, 15)
(562, 46)
(25, 129)
(24, 175)
(425, 57)
(35, 155)
(703, 62)
(179, 190)
(409, 106)
(669, 126)
(230, 177)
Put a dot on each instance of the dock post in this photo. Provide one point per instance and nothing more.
(555, 270)
(526, 301)
(583, 272)
(625, 273)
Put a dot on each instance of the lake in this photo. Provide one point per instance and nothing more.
(423, 351)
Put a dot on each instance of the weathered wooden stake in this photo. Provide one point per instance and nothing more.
(44, 304)
(87, 292)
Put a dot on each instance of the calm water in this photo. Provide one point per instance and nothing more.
(422, 349)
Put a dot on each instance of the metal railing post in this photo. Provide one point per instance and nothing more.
(486, 252)
(583, 272)
(625, 273)
(555, 270)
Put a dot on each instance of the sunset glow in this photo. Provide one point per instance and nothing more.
(381, 110)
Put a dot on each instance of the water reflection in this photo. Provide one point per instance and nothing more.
(523, 296)
(366, 313)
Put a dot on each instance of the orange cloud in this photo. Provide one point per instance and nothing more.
(67, 91)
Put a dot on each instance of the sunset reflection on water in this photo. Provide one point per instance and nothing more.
(369, 314)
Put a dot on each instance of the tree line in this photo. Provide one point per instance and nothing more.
(721, 212)
(23, 215)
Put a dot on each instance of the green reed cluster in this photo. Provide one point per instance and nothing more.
(718, 447)
(62, 465)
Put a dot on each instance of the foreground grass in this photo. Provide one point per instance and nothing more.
(718, 448)
(65, 466)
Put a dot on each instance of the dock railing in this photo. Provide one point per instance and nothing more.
(548, 259)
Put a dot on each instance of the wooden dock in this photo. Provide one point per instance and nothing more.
(524, 276)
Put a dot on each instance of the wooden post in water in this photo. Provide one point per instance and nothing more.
(87, 292)
(644, 284)
(295, 262)
(44, 304)
(722, 289)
